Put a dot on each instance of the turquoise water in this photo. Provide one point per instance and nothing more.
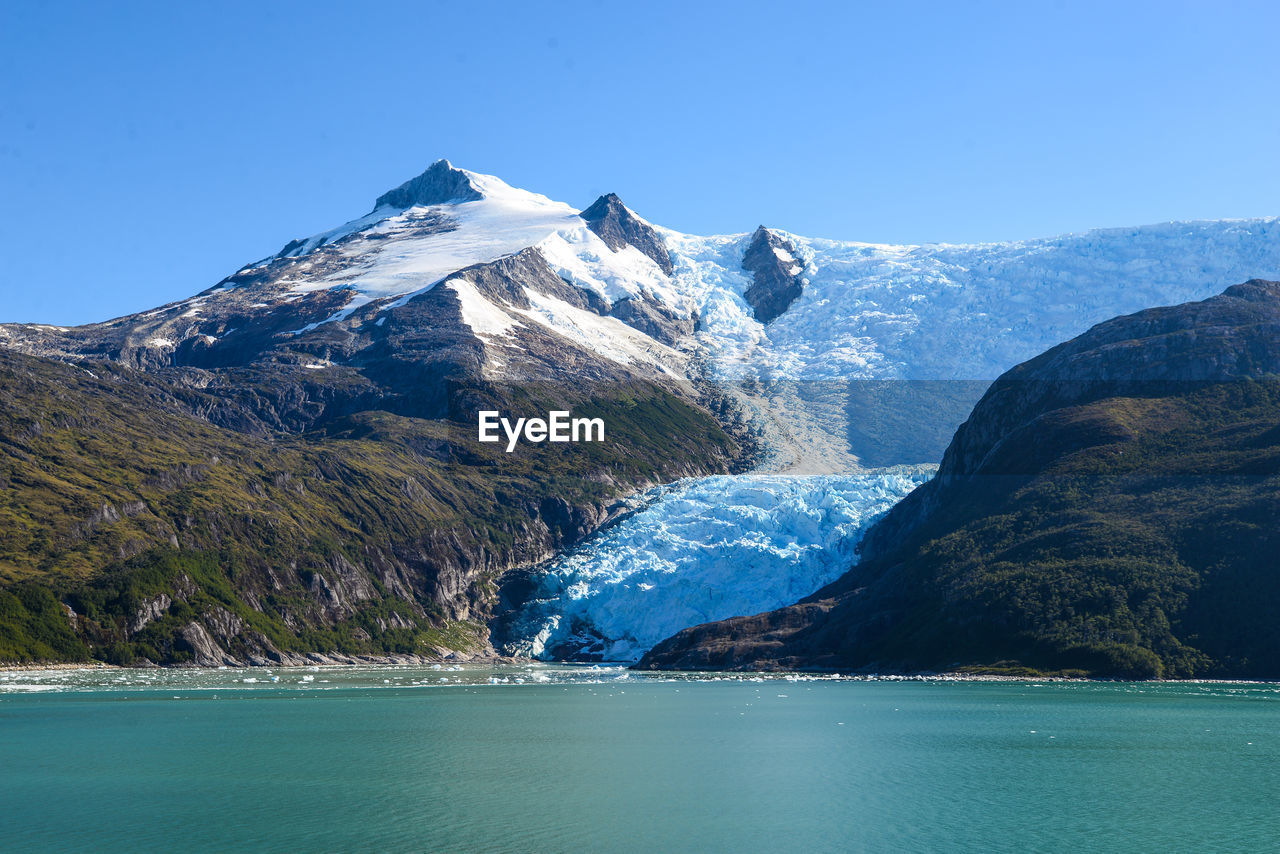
(578, 759)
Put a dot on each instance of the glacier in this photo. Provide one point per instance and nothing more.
(940, 311)
(698, 550)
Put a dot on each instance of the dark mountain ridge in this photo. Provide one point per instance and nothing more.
(617, 226)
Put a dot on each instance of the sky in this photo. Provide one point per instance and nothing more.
(149, 149)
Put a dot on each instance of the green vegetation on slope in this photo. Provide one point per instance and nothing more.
(1151, 556)
(379, 533)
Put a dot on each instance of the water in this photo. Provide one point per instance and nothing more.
(579, 759)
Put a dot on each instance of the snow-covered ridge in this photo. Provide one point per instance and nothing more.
(605, 336)
(866, 310)
(397, 258)
(957, 312)
(397, 253)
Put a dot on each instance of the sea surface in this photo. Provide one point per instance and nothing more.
(556, 758)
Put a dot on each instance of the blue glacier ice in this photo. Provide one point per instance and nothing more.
(702, 549)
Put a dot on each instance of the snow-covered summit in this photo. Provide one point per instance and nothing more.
(448, 219)
(830, 311)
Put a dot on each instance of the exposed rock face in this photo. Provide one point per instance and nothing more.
(439, 185)
(222, 640)
(204, 651)
(617, 226)
(1110, 507)
(654, 320)
(223, 624)
(151, 609)
(775, 269)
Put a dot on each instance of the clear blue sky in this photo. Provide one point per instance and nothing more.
(147, 150)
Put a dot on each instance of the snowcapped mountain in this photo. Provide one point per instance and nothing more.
(458, 292)
(794, 326)
(499, 261)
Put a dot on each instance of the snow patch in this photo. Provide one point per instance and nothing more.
(358, 300)
(581, 257)
(403, 259)
(485, 319)
(604, 336)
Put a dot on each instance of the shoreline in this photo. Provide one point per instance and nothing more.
(410, 661)
(314, 659)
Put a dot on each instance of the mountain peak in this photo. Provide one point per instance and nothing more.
(442, 183)
(617, 226)
(608, 204)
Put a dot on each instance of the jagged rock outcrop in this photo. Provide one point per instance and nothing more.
(439, 185)
(617, 226)
(204, 651)
(654, 320)
(151, 609)
(775, 272)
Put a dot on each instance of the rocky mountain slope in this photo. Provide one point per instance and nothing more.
(1110, 507)
(132, 529)
(365, 352)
